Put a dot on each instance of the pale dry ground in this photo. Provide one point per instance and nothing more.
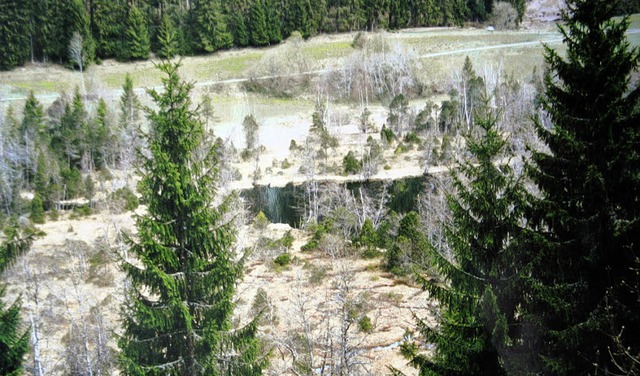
(390, 305)
(276, 135)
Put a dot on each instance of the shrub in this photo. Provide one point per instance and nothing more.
(37, 212)
(287, 240)
(402, 148)
(283, 260)
(264, 308)
(285, 164)
(365, 325)
(412, 138)
(351, 164)
(125, 199)
(260, 222)
(317, 274)
(81, 211)
(359, 41)
(387, 135)
(318, 235)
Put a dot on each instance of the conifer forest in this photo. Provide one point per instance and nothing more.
(319, 187)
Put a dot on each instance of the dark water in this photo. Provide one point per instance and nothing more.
(280, 205)
(286, 204)
(403, 192)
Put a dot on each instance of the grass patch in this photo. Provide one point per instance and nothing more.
(143, 77)
(327, 50)
(39, 86)
(439, 43)
(226, 67)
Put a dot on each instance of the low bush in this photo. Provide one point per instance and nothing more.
(124, 199)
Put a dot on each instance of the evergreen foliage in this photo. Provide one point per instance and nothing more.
(407, 247)
(137, 44)
(77, 21)
(168, 38)
(350, 164)
(211, 26)
(37, 211)
(107, 26)
(45, 27)
(258, 25)
(14, 34)
(588, 217)
(13, 344)
(238, 29)
(177, 315)
(479, 286)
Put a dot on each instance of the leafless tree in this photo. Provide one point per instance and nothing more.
(77, 56)
(32, 281)
(381, 69)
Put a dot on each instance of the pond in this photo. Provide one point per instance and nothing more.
(286, 204)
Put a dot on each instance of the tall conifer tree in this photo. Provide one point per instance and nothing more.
(211, 26)
(137, 44)
(480, 287)
(14, 33)
(167, 38)
(258, 26)
(13, 344)
(177, 315)
(588, 217)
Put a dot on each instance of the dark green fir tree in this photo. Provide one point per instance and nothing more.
(14, 33)
(108, 25)
(478, 281)
(238, 28)
(258, 29)
(588, 215)
(179, 304)
(13, 343)
(37, 210)
(77, 21)
(211, 26)
(167, 38)
(137, 44)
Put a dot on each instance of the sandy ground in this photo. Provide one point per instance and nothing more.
(71, 287)
(61, 285)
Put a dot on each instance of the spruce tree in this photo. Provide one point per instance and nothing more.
(480, 285)
(42, 187)
(258, 25)
(273, 22)
(31, 132)
(239, 29)
(37, 210)
(108, 25)
(168, 38)
(178, 308)
(128, 126)
(77, 20)
(13, 344)
(14, 34)
(588, 215)
(211, 26)
(137, 44)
